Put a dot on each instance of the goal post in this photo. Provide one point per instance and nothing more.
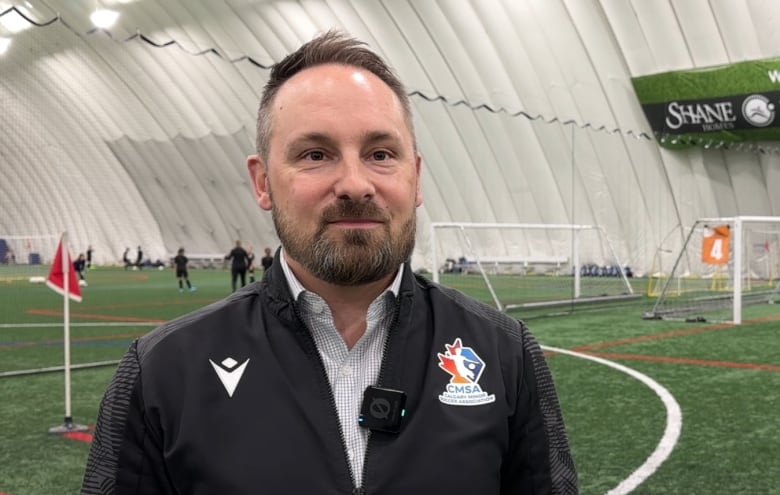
(25, 256)
(725, 265)
(517, 266)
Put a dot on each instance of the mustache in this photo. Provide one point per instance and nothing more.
(354, 210)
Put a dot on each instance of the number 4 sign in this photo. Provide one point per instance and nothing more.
(715, 245)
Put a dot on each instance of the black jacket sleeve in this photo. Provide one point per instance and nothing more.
(125, 457)
(539, 460)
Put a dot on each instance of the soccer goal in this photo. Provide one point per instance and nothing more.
(24, 265)
(25, 256)
(726, 266)
(523, 266)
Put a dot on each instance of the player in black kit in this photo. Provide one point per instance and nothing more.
(180, 265)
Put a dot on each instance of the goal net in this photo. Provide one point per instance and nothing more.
(25, 256)
(24, 264)
(727, 269)
(529, 266)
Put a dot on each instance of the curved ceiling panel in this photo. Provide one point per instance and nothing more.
(524, 112)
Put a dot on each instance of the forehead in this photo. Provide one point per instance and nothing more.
(336, 87)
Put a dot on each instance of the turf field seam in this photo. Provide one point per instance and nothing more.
(649, 338)
(672, 334)
(691, 361)
(52, 369)
(79, 324)
(95, 338)
(92, 316)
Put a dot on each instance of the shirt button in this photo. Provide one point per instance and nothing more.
(317, 307)
(346, 371)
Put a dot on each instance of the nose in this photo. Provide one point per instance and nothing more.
(354, 181)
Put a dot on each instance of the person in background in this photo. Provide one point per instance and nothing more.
(126, 258)
(89, 257)
(267, 260)
(238, 265)
(342, 363)
(80, 265)
(139, 258)
(182, 274)
(250, 269)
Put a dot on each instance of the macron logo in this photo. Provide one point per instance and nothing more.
(229, 374)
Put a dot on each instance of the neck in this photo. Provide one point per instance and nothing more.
(348, 304)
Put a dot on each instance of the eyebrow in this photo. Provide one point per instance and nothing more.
(376, 136)
(311, 137)
(369, 137)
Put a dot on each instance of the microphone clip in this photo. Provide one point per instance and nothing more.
(382, 409)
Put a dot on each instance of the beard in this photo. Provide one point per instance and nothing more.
(347, 257)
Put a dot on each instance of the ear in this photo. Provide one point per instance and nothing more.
(259, 176)
(418, 199)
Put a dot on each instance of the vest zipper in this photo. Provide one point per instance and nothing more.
(356, 490)
(385, 352)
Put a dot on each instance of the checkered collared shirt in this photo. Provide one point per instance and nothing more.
(349, 371)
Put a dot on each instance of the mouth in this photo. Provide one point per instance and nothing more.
(353, 215)
(355, 223)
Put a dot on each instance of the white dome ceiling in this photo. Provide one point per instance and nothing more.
(524, 111)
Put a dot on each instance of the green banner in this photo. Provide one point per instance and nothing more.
(714, 106)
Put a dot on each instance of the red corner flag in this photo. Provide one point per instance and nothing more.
(56, 278)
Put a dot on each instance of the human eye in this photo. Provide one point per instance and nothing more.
(380, 155)
(314, 155)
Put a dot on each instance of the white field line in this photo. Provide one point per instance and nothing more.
(103, 324)
(673, 423)
(98, 364)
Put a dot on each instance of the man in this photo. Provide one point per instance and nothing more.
(250, 269)
(139, 258)
(126, 258)
(341, 372)
(238, 265)
(267, 260)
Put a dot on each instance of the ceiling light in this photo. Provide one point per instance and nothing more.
(13, 21)
(4, 44)
(104, 18)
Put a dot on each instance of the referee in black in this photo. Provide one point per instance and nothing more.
(239, 265)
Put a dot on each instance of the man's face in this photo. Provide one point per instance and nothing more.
(342, 178)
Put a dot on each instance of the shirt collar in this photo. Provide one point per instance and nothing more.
(296, 288)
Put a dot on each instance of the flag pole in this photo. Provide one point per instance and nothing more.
(68, 425)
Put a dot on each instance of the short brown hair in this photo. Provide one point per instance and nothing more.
(332, 47)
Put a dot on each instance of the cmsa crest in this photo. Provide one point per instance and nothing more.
(465, 368)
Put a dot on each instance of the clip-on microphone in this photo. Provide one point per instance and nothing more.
(382, 409)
